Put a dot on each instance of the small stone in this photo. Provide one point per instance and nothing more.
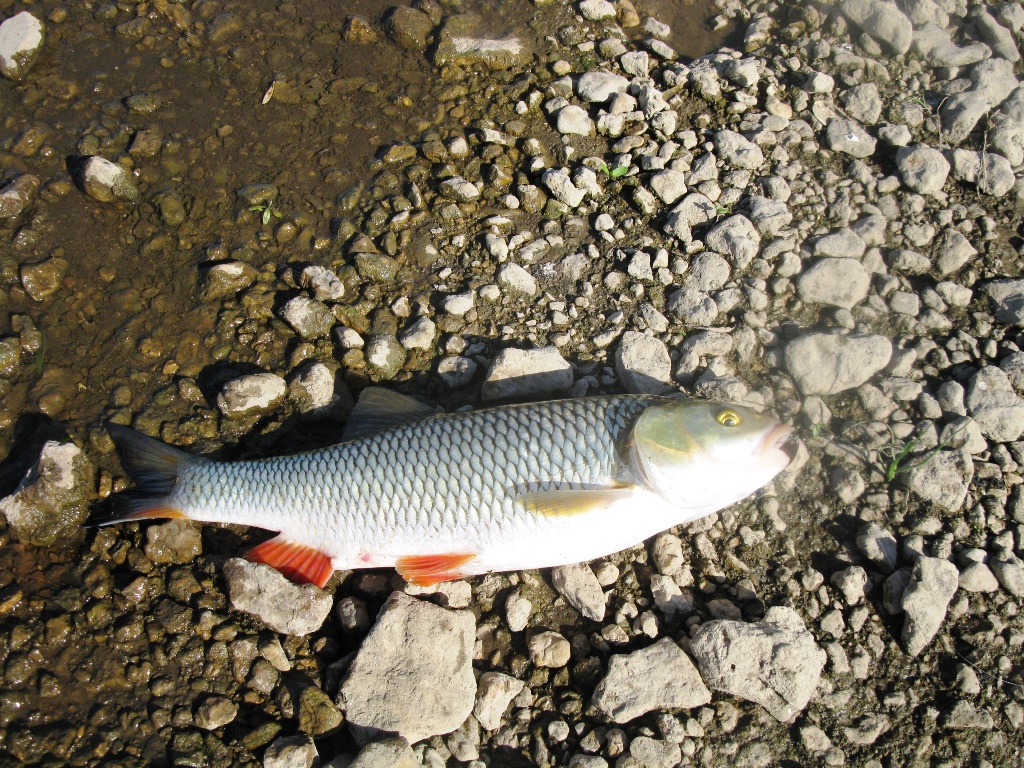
(933, 583)
(836, 282)
(458, 46)
(574, 120)
(693, 308)
(251, 395)
(826, 363)
(862, 103)
(526, 373)
(409, 28)
(317, 392)
(456, 371)
(737, 150)
(458, 189)
(458, 304)
(943, 479)
(108, 182)
(597, 87)
(562, 188)
(660, 676)
(324, 284)
(419, 335)
(391, 752)
(517, 611)
(283, 606)
(549, 649)
(215, 712)
(851, 582)
(978, 577)
(176, 541)
(376, 267)
(17, 195)
(922, 169)
(21, 40)
(965, 715)
(413, 673)
(597, 10)
(840, 243)
(994, 405)
(309, 318)
(954, 251)
(291, 752)
(494, 693)
(643, 364)
(883, 21)
(385, 356)
(226, 279)
(655, 753)
(318, 715)
(669, 185)
(736, 238)
(774, 663)
(867, 729)
(1009, 570)
(52, 500)
(849, 137)
(581, 589)
(516, 279)
(878, 545)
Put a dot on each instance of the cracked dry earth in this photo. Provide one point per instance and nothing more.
(222, 220)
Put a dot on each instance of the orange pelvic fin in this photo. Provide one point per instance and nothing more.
(300, 563)
(427, 570)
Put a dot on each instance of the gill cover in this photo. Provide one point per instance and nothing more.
(708, 452)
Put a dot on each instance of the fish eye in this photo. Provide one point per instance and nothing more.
(728, 418)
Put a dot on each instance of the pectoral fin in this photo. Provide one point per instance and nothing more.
(563, 503)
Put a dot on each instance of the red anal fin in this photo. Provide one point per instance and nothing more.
(427, 570)
(300, 563)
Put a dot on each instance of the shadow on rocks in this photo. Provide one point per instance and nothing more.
(31, 431)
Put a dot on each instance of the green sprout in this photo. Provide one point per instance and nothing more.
(614, 173)
(817, 429)
(895, 451)
(266, 210)
(39, 352)
(722, 210)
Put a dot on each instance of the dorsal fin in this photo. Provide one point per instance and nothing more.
(379, 409)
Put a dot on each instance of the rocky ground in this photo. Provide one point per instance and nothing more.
(559, 201)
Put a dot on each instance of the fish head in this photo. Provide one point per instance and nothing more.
(705, 455)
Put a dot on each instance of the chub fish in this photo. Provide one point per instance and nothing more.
(445, 495)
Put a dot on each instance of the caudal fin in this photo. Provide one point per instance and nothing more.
(154, 466)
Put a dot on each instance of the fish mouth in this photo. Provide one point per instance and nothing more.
(778, 438)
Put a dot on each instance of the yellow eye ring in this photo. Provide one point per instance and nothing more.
(728, 418)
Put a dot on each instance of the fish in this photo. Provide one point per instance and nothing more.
(442, 496)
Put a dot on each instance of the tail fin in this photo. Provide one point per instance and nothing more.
(154, 466)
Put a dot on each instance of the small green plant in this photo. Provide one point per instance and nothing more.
(896, 451)
(722, 210)
(266, 210)
(817, 429)
(614, 173)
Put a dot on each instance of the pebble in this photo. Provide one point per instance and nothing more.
(597, 10)
(736, 238)
(574, 120)
(458, 304)
(849, 137)
(933, 582)
(21, 40)
(852, 582)
(173, 542)
(774, 663)
(291, 752)
(309, 318)
(215, 712)
(458, 189)
(978, 577)
(318, 715)
(526, 373)
(17, 195)
(419, 335)
(456, 371)
(108, 182)
(1009, 570)
(413, 674)
(517, 611)
(495, 691)
(581, 589)
(828, 363)
(324, 284)
(660, 676)
(316, 393)
(922, 169)
(879, 546)
(222, 280)
(643, 364)
(944, 479)
(836, 282)
(385, 356)
(516, 279)
(668, 185)
(964, 716)
(883, 21)
(52, 500)
(994, 405)
(391, 752)
(251, 395)
(284, 607)
(736, 150)
(597, 86)
(549, 649)
(562, 188)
